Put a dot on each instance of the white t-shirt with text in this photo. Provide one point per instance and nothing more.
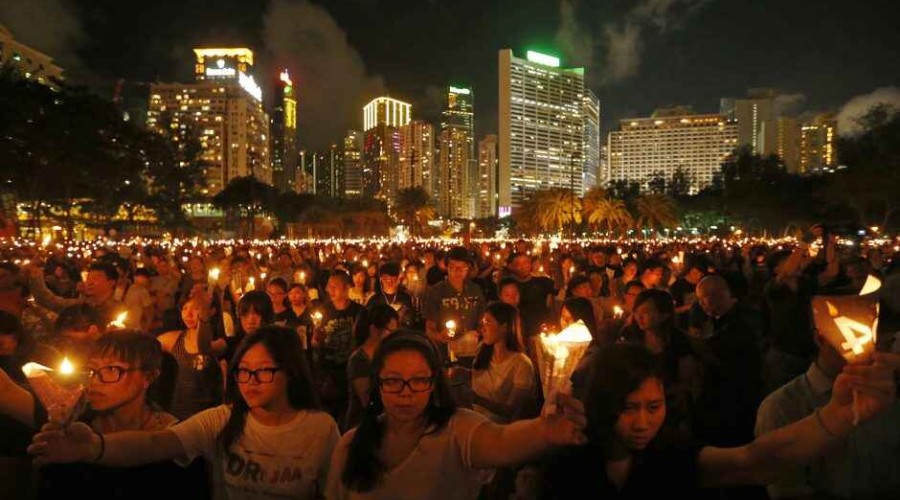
(284, 461)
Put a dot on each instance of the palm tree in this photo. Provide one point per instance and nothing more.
(655, 211)
(412, 207)
(611, 212)
(594, 196)
(557, 207)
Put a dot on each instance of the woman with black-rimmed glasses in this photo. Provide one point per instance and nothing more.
(413, 442)
(272, 441)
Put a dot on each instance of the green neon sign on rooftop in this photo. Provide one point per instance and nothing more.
(544, 59)
(460, 90)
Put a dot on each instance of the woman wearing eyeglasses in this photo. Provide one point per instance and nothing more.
(123, 368)
(271, 442)
(413, 442)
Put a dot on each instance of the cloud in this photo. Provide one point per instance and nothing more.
(331, 78)
(788, 104)
(857, 107)
(50, 26)
(572, 38)
(623, 40)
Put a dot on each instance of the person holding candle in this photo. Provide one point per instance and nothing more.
(99, 291)
(868, 466)
(388, 292)
(630, 454)
(277, 290)
(629, 273)
(333, 343)
(414, 443)
(302, 323)
(456, 299)
(272, 441)
(536, 293)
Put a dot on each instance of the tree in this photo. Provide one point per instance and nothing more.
(610, 212)
(246, 195)
(413, 208)
(681, 184)
(557, 207)
(655, 211)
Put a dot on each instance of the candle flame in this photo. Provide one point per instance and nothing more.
(119, 322)
(214, 274)
(618, 311)
(66, 367)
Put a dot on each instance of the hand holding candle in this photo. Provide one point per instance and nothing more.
(119, 322)
(558, 356)
(61, 391)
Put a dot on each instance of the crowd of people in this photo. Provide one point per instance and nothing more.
(409, 369)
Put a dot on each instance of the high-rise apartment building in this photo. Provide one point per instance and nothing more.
(223, 111)
(382, 119)
(459, 113)
(453, 173)
(591, 154)
(488, 174)
(756, 116)
(818, 139)
(788, 145)
(353, 164)
(541, 118)
(33, 64)
(671, 140)
(417, 166)
(327, 170)
(284, 133)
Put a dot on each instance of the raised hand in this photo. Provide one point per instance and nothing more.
(565, 426)
(54, 444)
(874, 384)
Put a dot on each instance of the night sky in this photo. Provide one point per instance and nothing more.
(639, 54)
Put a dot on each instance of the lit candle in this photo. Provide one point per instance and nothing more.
(119, 322)
(317, 318)
(618, 312)
(451, 328)
(214, 276)
(251, 284)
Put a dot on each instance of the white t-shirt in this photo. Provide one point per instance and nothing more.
(499, 380)
(439, 468)
(284, 461)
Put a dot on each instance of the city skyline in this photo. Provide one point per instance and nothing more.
(637, 58)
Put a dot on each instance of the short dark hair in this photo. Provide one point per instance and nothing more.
(79, 317)
(279, 282)
(575, 282)
(141, 272)
(343, 276)
(459, 254)
(259, 302)
(389, 269)
(108, 269)
(651, 264)
(508, 281)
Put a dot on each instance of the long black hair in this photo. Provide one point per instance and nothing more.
(664, 304)
(364, 469)
(619, 370)
(284, 346)
(582, 309)
(260, 303)
(506, 315)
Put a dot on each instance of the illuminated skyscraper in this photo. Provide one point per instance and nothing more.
(789, 143)
(416, 155)
(284, 133)
(223, 111)
(488, 173)
(541, 117)
(756, 118)
(671, 140)
(591, 154)
(818, 138)
(328, 173)
(460, 168)
(382, 119)
(353, 165)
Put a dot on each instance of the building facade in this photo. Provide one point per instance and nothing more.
(453, 195)
(417, 166)
(382, 119)
(757, 119)
(33, 64)
(592, 141)
(283, 129)
(353, 165)
(459, 113)
(818, 149)
(541, 127)
(488, 175)
(669, 141)
(223, 111)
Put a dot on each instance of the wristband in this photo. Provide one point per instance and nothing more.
(102, 448)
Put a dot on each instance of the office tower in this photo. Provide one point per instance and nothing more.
(453, 195)
(382, 119)
(591, 154)
(818, 138)
(32, 63)
(488, 173)
(223, 111)
(671, 140)
(416, 156)
(541, 117)
(789, 143)
(756, 117)
(459, 113)
(353, 165)
(284, 133)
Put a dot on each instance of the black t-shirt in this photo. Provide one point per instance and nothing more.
(660, 471)
(338, 341)
(435, 275)
(401, 301)
(790, 317)
(533, 303)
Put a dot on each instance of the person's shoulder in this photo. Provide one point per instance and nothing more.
(318, 421)
(520, 358)
(789, 398)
